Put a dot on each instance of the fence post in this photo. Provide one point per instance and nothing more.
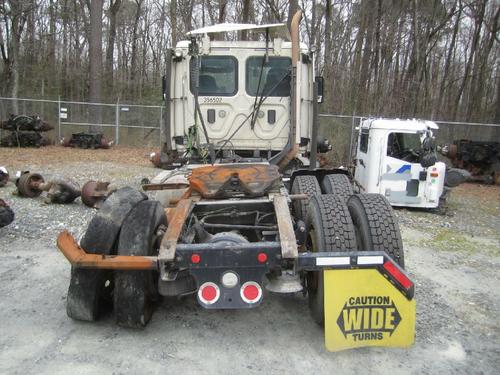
(161, 122)
(59, 117)
(117, 123)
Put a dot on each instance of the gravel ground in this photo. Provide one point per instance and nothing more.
(453, 258)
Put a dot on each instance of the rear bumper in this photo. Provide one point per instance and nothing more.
(81, 259)
(214, 259)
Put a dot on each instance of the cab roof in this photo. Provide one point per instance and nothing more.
(227, 27)
(241, 44)
(397, 124)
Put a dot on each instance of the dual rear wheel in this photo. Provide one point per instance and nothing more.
(126, 224)
(340, 221)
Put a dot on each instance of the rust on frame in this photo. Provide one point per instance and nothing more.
(164, 186)
(223, 181)
(81, 259)
(285, 226)
(175, 224)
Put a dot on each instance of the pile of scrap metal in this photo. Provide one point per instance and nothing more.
(32, 185)
(25, 131)
(481, 159)
(87, 140)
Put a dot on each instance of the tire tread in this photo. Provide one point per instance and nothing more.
(383, 225)
(338, 185)
(304, 185)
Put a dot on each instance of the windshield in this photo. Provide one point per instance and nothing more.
(273, 72)
(404, 145)
(218, 76)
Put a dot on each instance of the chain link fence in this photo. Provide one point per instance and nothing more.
(126, 124)
(141, 125)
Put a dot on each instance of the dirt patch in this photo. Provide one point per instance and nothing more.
(21, 158)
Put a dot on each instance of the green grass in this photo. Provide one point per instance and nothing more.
(450, 240)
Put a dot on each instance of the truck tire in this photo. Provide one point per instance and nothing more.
(330, 228)
(135, 291)
(88, 288)
(304, 185)
(376, 226)
(337, 184)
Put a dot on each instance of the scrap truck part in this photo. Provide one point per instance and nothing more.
(59, 191)
(6, 214)
(24, 139)
(455, 177)
(225, 181)
(87, 140)
(25, 123)
(31, 185)
(481, 159)
(94, 193)
(4, 176)
(165, 159)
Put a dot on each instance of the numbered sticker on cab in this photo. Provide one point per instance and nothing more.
(362, 308)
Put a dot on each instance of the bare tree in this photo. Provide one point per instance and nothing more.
(425, 58)
(95, 58)
(114, 7)
(14, 15)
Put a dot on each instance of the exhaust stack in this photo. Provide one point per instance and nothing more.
(294, 140)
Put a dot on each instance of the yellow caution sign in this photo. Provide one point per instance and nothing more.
(362, 308)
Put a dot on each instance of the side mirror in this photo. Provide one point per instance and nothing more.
(320, 81)
(163, 87)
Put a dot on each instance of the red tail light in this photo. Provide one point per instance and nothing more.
(208, 293)
(251, 292)
(262, 257)
(398, 275)
(195, 258)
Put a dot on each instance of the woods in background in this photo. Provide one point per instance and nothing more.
(434, 59)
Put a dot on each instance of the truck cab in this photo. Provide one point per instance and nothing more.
(229, 81)
(396, 158)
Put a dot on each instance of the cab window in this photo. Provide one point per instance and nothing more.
(218, 76)
(404, 146)
(275, 80)
(363, 140)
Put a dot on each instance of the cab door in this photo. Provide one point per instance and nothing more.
(361, 174)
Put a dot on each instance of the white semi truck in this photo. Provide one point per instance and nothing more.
(396, 158)
(253, 216)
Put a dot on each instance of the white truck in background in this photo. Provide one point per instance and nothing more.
(397, 158)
